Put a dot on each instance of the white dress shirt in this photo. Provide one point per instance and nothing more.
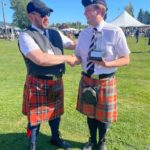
(111, 41)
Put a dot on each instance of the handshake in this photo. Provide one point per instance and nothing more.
(72, 60)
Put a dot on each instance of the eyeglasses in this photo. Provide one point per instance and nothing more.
(42, 15)
(45, 14)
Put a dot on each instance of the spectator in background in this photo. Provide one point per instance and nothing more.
(137, 35)
(148, 35)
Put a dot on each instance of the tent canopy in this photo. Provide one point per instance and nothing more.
(126, 20)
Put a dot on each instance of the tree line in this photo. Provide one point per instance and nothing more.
(20, 17)
(143, 16)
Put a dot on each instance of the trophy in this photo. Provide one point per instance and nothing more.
(96, 55)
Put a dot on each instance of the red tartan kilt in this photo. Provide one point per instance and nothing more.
(106, 108)
(43, 100)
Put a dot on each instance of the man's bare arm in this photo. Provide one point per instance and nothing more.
(45, 59)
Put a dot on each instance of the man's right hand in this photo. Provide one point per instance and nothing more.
(72, 60)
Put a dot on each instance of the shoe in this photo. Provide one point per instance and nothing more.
(61, 143)
(90, 146)
(102, 146)
(31, 147)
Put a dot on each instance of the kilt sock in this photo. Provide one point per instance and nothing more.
(32, 132)
(103, 128)
(54, 125)
(92, 124)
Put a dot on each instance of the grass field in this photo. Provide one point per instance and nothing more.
(131, 132)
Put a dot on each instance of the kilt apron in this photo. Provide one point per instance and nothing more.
(42, 99)
(105, 109)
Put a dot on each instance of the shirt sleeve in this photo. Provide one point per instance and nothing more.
(66, 41)
(26, 43)
(78, 46)
(121, 44)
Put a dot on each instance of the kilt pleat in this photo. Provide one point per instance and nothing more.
(43, 100)
(106, 108)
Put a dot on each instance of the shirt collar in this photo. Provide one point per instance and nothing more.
(100, 26)
(39, 30)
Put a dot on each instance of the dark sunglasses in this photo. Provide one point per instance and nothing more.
(45, 14)
(42, 15)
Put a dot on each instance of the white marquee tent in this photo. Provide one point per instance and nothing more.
(126, 20)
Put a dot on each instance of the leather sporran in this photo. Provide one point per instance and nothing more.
(89, 95)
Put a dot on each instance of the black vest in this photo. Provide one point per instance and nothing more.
(55, 43)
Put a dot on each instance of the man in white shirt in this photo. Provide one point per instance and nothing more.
(101, 48)
(43, 97)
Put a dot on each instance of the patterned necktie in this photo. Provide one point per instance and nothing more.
(90, 65)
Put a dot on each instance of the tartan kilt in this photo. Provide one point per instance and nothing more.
(43, 100)
(105, 109)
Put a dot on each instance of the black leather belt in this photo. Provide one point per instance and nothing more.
(52, 77)
(101, 76)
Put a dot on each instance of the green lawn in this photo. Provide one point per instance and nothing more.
(131, 132)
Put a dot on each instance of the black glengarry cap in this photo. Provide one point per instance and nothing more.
(85, 3)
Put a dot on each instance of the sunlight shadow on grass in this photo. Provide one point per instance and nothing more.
(19, 141)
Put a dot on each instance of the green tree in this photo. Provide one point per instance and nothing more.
(19, 16)
(144, 16)
(147, 17)
(129, 8)
(140, 15)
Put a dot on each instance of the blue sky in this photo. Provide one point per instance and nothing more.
(72, 10)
